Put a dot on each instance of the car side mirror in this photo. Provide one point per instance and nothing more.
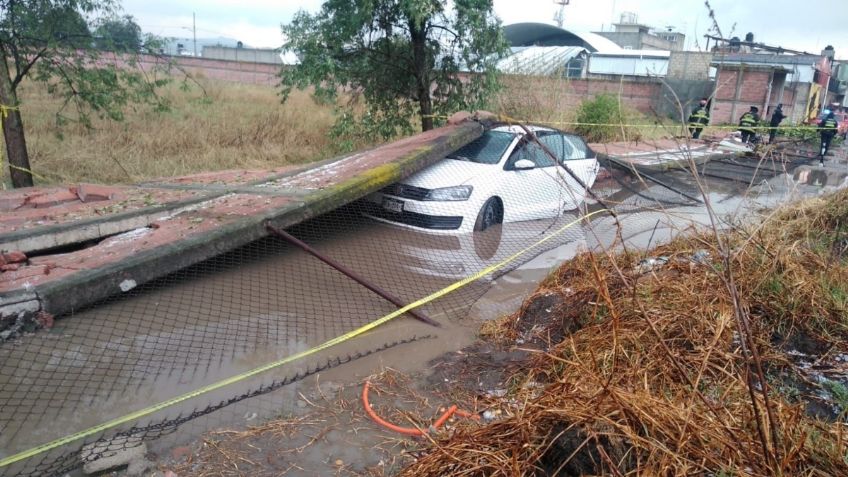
(524, 164)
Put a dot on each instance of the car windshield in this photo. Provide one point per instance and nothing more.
(487, 149)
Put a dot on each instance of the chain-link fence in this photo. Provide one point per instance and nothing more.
(198, 349)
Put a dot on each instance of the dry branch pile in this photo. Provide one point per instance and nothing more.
(666, 371)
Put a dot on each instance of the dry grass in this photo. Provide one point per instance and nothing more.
(235, 126)
(656, 379)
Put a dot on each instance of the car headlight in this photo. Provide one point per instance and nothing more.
(450, 193)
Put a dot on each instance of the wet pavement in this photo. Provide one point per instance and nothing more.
(266, 300)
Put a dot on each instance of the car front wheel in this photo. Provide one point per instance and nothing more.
(490, 214)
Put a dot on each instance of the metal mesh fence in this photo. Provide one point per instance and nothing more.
(270, 300)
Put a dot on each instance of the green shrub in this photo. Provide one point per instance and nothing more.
(602, 120)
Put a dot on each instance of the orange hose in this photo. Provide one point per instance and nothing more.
(410, 431)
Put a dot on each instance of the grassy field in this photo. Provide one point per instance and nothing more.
(233, 126)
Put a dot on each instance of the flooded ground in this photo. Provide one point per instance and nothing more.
(268, 300)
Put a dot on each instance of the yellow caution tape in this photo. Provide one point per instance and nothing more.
(651, 125)
(135, 416)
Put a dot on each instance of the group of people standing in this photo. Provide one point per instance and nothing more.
(749, 122)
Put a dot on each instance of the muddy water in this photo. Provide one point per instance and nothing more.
(267, 301)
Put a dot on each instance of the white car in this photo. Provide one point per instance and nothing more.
(500, 177)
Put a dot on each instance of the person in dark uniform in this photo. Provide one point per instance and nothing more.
(827, 129)
(747, 123)
(776, 118)
(699, 118)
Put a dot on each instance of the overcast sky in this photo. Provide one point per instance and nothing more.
(804, 25)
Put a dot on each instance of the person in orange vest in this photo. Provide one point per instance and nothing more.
(827, 129)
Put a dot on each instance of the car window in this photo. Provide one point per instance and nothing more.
(579, 149)
(530, 151)
(557, 144)
(487, 149)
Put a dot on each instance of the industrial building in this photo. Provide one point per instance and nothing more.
(629, 34)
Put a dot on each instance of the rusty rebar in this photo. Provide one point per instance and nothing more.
(350, 274)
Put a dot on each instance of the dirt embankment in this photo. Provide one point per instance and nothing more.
(709, 356)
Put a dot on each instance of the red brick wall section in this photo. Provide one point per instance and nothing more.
(235, 71)
(726, 85)
(752, 91)
(639, 95)
(754, 87)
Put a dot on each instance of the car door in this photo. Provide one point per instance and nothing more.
(578, 160)
(530, 194)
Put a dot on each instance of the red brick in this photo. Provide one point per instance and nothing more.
(52, 199)
(94, 192)
(26, 272)
(14, 256)
(11, 203)
(44, 319)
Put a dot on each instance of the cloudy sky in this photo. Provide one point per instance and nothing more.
(804, 25)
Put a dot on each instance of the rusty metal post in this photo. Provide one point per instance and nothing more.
(350, 274)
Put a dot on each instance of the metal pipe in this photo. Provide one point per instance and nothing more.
(349, 273)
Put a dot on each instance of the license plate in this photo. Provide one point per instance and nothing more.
(393, 205)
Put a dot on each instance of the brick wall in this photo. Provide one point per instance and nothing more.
(640, 94)
(736, 92)
(235, 71)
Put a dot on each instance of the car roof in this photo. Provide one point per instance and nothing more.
(515, 129)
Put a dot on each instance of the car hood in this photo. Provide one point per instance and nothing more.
(448, 172)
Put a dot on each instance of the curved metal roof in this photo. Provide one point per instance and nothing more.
(539, 60)
(542, 34)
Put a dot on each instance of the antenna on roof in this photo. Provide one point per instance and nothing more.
(559, 16)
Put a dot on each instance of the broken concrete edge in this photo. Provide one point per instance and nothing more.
(673, 164)
(88, 287)
(820, 177)
(100, 456)
(18, 310)
(57, 235)
(51, 236)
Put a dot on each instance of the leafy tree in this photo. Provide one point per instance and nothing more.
(403, 57)
(48, 41)
(118, 34)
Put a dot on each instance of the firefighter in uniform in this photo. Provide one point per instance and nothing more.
(776, 118)
(827, 129)
(747, 123)
(698, 119)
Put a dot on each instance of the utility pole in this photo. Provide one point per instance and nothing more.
(194, 32)
(559, 16)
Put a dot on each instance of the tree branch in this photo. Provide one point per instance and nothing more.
(441, 27)
(22, 72)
